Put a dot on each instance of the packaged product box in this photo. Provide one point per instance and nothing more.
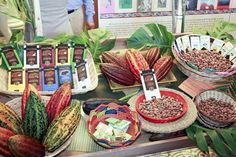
(16, 80)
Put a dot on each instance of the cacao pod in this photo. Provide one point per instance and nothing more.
(62, 127)
(35, 122)
(136, 63)
(162, 67)
(9, 119)
(59, 100)
(25, 96)
(25, 146)
(5, 134)
(110, 57)
(117, 74)
(93, 103)
(152, 56)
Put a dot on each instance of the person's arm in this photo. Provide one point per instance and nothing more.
(89, 13)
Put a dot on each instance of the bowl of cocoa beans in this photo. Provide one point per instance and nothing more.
(204, 58)
(216, 109)
(170, 107)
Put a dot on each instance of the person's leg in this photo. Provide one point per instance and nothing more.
(77, 21)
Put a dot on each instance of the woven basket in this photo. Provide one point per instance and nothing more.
(102, 112)
(15, 104)
(206, 119)
(92, 86)
(180, 124)
(202, 76)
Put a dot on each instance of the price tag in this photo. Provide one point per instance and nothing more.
(232, 54)
(195, 42)
(205, 42)
(226, 48)
(186, 43)
(82, 75)
(150, 86)
(179, 44)
(217, 44)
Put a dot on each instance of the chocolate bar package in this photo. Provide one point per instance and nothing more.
(49, 79)
(16, 80)
(10, 57)
(65, 75)
(78, 55)
(34, 77)
(31, 56)
(63, 54)
(47, 56)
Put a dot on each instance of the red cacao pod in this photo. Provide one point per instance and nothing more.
(152, 56)
(111, 57)
(22, 146)
(59, 100)
(162, 67)
(5, 134)
(136, 63)
(117, 74)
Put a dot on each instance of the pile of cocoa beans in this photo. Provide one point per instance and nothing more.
(125, 69)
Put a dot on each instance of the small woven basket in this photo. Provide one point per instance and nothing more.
(207, 119)
(102, 112)
(191, 72)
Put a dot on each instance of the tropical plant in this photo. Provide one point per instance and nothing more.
(158, 36)
(223, 141)
(220, 30)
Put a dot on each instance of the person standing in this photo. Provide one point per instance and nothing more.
(54, 17)
(77, 16)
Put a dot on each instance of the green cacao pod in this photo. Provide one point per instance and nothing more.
(62, 127)
(59, 100)
(25, 96)
(117, 74)
(9, 119)
(25, 146)
(5, 134)
(35, 122)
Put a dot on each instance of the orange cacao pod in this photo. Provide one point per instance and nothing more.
(136, 63)
(110, 57)
(5, 134)
(152, 56)
(162, 67)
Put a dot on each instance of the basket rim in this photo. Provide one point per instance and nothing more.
(208, 116)
(182, 63)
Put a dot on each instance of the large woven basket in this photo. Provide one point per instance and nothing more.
(15, 104)
(89, 87)
(191, 72)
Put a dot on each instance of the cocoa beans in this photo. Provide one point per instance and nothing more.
(136, 63)
(162, 67)
(117, 74)
(152, 56)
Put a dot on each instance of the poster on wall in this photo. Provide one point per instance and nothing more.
(161, 5)
(191, 5)
(126, 6)
(144, 5)
(207, 4)
(107, 6)
(223, 4)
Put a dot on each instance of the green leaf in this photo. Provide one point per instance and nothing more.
(190, 132)
(201, 140)
(158, 36)
(217, 142)
(231, 142)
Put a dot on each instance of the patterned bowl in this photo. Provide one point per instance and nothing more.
(183, 44)
(102, 112)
